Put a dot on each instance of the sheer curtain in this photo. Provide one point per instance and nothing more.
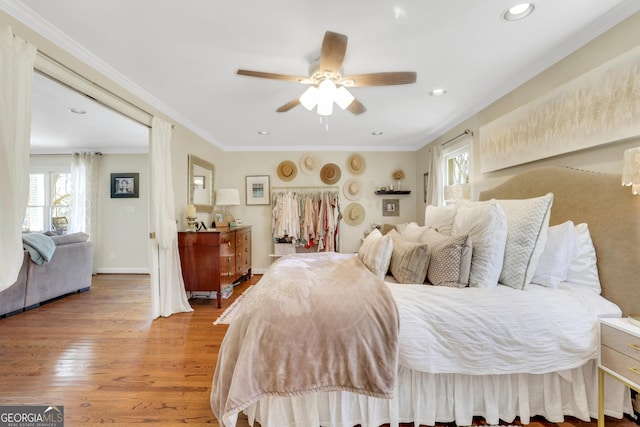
(16, 76)
(434, 187)
(84, 193)
(167, 287)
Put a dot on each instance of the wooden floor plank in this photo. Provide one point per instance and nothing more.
(101, 356)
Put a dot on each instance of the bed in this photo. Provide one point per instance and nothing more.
(444, 353)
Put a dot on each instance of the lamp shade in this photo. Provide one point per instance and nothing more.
(227, 197)
(631, 169)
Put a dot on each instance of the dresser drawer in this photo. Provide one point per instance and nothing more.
(621, 364)
(620, 341)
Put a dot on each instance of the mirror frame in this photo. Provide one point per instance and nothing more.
(196, 161)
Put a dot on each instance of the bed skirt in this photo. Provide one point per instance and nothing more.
(425, 399)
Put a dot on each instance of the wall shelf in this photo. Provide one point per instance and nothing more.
(381, 192)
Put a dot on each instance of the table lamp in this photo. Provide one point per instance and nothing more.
(226, 197)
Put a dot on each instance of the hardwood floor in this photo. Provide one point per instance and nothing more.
(100, 355)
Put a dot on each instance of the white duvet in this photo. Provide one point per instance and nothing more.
(480, 331)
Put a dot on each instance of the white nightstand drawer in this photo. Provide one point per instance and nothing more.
(621, 341)
(623, 365)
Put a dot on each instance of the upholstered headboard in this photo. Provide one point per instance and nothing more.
(610, 210)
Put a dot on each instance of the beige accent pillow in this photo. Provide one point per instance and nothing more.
(375, 253)
(450, 261)
(409, 260)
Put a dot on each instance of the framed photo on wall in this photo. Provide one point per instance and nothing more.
(390, 207)
(258, 190)
(125, 185)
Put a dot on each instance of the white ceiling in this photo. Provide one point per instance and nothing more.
(182, 58)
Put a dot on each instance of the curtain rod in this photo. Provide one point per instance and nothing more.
(466, 132)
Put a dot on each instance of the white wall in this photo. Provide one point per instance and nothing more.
(379, 166)
(123, 224)
(604, 158)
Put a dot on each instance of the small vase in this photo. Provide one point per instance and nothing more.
(398, 182)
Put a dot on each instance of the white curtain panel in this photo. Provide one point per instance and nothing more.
(167, 287)
(16, 76)
(84, 195)
(434, 187)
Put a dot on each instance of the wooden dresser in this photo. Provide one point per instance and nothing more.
(214, 258)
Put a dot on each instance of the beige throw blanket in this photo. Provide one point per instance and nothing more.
(314, 322)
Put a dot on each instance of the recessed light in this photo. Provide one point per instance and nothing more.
(264, 132)
(437, 92)
(518, 11)
(76, 110)
(376, 133)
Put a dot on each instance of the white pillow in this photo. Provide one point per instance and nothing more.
(554, 263)
(583, 272)
(440, 217)
(375, 252)
(486, 224)
(527, 224)
(413, 232)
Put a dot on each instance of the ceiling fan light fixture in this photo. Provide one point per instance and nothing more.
(309, 99)
(326, 95)
(344, 97)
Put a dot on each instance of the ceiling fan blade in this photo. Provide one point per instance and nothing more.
(334, 47)
(380, 79)
(274, 76)
(356, 107)
(288, 106)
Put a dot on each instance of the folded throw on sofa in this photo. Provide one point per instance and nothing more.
(40, 247)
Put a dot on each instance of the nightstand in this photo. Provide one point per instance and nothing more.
(619, 357)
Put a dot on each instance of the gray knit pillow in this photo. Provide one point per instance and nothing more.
(450, 262)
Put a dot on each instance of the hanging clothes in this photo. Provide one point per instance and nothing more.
(306, 217)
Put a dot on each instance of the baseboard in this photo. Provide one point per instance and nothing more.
(122, 270)
(258, 270)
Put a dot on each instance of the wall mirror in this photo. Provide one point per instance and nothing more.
(200, 184)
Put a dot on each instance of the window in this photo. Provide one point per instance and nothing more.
(456, 174)
(49, 197)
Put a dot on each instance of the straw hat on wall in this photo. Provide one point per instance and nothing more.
(287, 170)
(330, 173)
(308, 164)
(354, 214)
(356, 164)
(352, 189)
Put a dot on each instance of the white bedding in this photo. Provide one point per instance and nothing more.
(497, 331)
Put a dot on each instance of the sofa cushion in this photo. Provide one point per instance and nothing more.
(66, 239)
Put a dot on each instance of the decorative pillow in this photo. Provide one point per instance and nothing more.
(527, 224)
(583, 271)
(387, 228)
(554, 263)
(413, 232)
(486, 224)
(450, 259)
(409, 260)
(375, 253)
(440, 217)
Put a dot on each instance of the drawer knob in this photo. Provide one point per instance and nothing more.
(635, 346)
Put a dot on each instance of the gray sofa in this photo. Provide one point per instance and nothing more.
(68, 271)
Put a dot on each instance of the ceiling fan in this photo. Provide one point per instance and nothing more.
(327, 84)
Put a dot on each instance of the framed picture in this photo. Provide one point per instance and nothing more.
(390, 207)
(258, 191)
(220, 219)
(125, 185)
